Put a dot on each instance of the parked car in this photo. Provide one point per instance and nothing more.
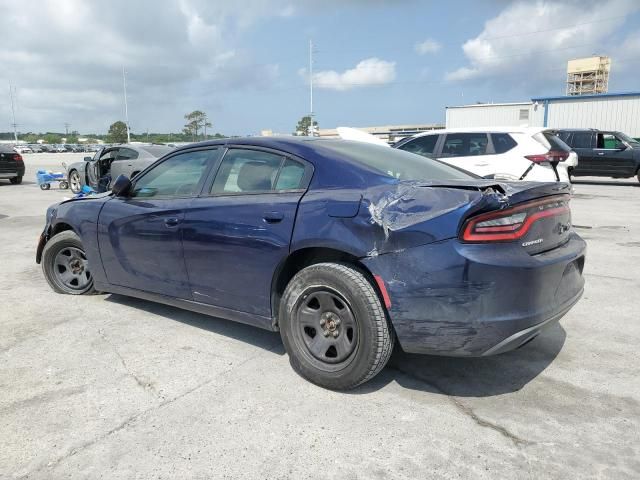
(339, 245)
(110, 162)
(36, 148)
(528, 153)
(11, 165)
(603, 153)
(46, 148)
(22, 148)
(58, 149)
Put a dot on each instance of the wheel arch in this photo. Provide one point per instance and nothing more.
(305, 257)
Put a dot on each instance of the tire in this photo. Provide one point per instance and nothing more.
(65, 265)
(16, 180)
(334, 327)
(74, 181)
(63, 185)
(45, 186)
(638, 175)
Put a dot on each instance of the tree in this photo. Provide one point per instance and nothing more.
(304, 126)
(196, 121)
(52, 138)
(117, 132)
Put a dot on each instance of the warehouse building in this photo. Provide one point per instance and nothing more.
(609, 111)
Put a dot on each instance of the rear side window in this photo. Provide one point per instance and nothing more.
(127, 154)
(502, 142)
(581, 140)
(422, 145)
(253, 171)
(465, 144)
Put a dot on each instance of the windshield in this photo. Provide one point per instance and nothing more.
(396, 163)
(627, 138)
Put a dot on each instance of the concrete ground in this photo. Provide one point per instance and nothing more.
(108, 386)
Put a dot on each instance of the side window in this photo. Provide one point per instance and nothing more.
(502, 142)
(581, 140)
(291, 175)
(465, 144)
(607, 140)
(177, 176)
(247, 171)
(127, 154)
(422, 145)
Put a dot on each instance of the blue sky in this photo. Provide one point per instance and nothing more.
(245, 62)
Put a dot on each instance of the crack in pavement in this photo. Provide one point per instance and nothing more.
(144, 385)
(468, 411)
(75, 450)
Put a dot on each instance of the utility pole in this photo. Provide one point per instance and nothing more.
(13, 113)
(311, 130)
(66, 128)
(205, 126)
(126, 109)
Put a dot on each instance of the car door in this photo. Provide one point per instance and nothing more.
(99, 166)
(583, 144)
(140, 236)
(613, 157)
(123, 163)
(471, 152)
(238, 233)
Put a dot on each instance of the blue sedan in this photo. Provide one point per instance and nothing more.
(341, 246)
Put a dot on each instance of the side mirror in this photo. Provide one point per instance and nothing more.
(121, 186)
(87, 159)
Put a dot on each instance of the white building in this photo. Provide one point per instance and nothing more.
(610, 111)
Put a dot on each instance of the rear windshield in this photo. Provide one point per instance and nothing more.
(395, 163)
(157, 150)
(553, 140)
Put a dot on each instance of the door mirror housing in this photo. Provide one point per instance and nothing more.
(87, 159)
(121, 186)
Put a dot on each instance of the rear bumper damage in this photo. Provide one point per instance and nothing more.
(456, 299)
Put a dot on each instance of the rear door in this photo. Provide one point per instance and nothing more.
(583, 144)
(238, 233)
(140, 236)
(123, 164)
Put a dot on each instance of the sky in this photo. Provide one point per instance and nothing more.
(246, 62)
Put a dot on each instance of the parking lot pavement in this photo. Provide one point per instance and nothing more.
(107, 386)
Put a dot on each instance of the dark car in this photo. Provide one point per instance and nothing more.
(109, 162)
(603, 153)
(341, 246)
(11, 165)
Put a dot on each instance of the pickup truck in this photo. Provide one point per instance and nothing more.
(603, 153)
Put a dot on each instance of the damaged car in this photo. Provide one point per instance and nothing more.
(343, 247)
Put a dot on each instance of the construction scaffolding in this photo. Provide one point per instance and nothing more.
(588, 76)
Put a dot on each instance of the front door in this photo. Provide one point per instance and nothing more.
(140, 236)
(236, 236)
(612, 157)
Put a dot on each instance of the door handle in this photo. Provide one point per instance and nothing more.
(273, 217)
(600, 153)
(171, 221)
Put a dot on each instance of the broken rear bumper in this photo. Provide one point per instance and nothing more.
(456, 299)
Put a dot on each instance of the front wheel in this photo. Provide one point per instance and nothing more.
(74, 181)
(334, 327)
(65, 265)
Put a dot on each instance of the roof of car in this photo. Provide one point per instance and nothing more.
(526, 130)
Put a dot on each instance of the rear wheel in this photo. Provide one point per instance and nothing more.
(65, 265)
(16, 180)
(74, 181)
(334, 327)
(45, 186)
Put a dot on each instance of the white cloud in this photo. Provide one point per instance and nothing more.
(368, 72)
(530, 42)
(428, 46)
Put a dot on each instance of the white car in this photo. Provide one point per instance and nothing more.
(503, 153)
(22, 149)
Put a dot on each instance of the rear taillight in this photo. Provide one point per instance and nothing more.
(550, 156)
(18, 158)
(512, 223)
